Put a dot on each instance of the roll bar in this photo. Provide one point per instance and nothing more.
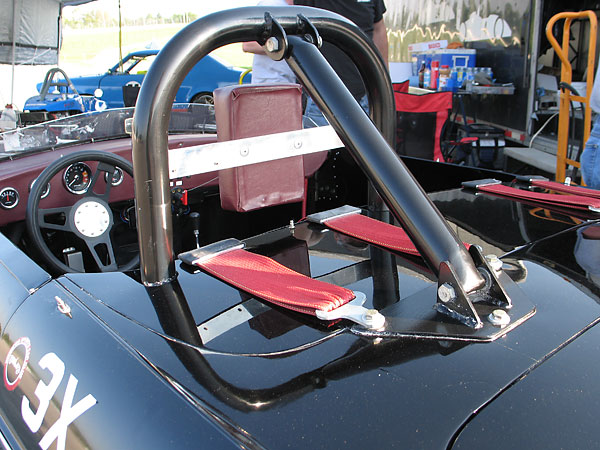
(370, 148)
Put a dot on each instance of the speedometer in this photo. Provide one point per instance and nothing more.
(77, 178)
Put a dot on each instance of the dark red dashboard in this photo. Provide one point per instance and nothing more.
(20, 172)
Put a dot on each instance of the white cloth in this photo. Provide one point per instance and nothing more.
(264, 69)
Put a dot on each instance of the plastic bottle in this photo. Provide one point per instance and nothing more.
(435, 73)
(427, 78)
(453, 80)
(444, 77)
(8, 118)
(422, 75)
(470, 74)
(460, 75)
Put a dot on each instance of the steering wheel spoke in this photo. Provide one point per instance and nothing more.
(103, 253)
(47, 218)
(103, 168)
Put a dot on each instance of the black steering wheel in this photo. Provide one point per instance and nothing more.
(90, 219)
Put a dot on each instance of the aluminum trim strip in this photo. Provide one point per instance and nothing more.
(206, 158)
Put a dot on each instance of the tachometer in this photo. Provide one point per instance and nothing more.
(77, 178)
(9, 198)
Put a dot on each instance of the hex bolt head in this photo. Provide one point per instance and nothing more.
(446, 293)
(494, 262)
(499, 318)
(272, 44)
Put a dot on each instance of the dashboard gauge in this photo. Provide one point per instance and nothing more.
(45, 192)
(9, 198)
(117, 178)
(77, 178)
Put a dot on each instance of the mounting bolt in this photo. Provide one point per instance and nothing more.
(499, 318)
(373, 319)
(297, 144)
(446, 293)
(370, 314)
(272, 44)
(244, 151)
(494, 262)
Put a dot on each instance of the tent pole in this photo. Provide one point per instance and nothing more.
(14, 45)
(120, 42)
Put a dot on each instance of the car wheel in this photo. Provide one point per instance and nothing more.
(204, 98)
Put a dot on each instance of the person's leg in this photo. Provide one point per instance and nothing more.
(313, 117)
(590, 162)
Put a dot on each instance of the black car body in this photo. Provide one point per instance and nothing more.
(169, 356)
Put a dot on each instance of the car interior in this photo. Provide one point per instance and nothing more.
(74, 169)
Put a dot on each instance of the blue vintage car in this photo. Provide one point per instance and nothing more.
(58, 97)
(118, 87)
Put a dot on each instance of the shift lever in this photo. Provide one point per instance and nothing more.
(196, 227)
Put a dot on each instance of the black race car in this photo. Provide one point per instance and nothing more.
(296, 288)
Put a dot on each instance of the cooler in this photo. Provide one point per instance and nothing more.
(460, 57)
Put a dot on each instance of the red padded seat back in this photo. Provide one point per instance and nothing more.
(244, 111)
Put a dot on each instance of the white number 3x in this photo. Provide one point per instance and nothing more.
(44, 393)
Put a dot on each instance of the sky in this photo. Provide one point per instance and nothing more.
(138, 8)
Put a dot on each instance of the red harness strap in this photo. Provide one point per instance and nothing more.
(568, 201)
(373, 231)
(267, 279)
(348, 220)
(567, 189)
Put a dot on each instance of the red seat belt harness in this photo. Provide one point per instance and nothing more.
(544, 183)
(268, 280)
(349, 220)
(493, 186)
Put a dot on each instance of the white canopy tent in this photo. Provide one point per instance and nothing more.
(30, 33)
